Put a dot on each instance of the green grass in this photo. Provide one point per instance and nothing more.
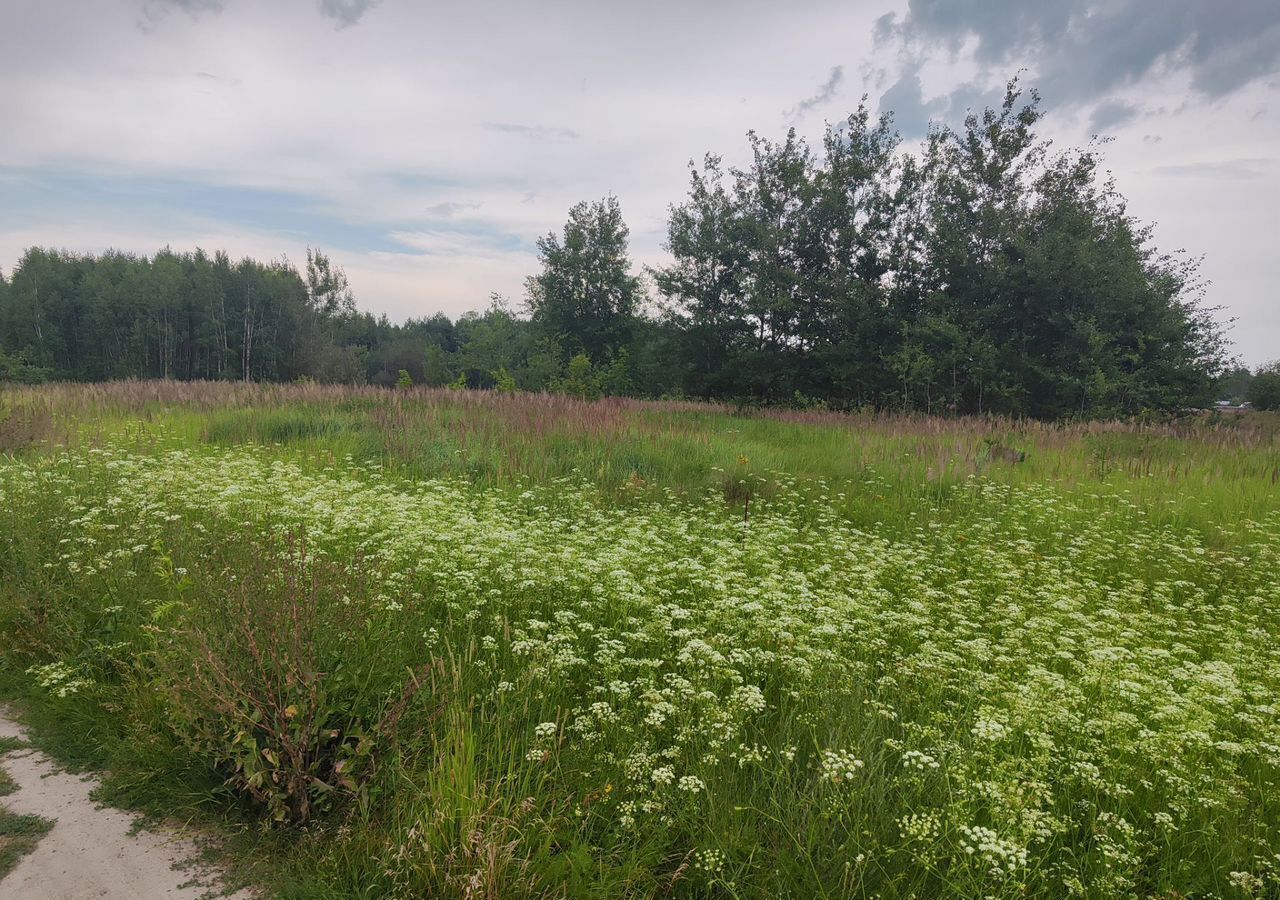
(438, 643)
(18, 834)
(18, 837)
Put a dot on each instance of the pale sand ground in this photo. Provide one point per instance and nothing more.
(91, 852)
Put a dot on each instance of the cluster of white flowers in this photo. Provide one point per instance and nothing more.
(914, 759)
(839, 766)
(710, 861)
(988, 729)
(1003, 857)
(1245, 882)
(60, 679)
(921, 826)
(691, 784)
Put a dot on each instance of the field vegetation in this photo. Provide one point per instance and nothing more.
(478, 644)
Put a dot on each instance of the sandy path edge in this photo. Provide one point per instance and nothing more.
(90, 852)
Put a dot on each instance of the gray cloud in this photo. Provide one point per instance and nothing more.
(346, 13)
(1110, 114)
(1081, 52)
(824, 94)
(886, 28)
(1232, 169)
(1152, 138)
(451, 208)
(538, 132)
(973, 96)
(912, 111)
(905, 99)
(196, 7)
(153, 11)
(1082, 49)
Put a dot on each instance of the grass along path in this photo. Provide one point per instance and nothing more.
(56, 842)
(18, 834)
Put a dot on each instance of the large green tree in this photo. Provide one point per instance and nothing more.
(586, 297)
(982, 274)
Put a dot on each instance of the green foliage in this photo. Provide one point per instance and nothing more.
(1234, 385)
(503, 381)
(327, 287)
(16, 369)
(490, 341)
(1264, 390)
(544, 366)
(271, 703)
(403, 380)
(435, 367)
(616, 376)
(171, 316)
(580, 379)
(585, 297)
(19, 835)
(984, 275)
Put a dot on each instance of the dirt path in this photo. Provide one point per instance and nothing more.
(91, 851)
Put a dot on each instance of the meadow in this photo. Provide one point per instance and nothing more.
(434, 643)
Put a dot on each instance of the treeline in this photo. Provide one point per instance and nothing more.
(199, 316)
(980, 274)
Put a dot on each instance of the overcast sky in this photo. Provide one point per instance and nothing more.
(425, 146)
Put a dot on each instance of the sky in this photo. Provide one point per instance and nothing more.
(425, 146)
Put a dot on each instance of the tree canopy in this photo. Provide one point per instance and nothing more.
(982, 275)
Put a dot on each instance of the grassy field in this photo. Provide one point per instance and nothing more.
(464, 644)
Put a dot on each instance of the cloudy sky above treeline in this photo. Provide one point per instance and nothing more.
(425, 145)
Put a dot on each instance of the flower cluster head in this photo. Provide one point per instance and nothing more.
(990, 730)
(914, 759)
(60, 679)
(921, 826)
(692, 784)
(710, 860)
(839, 766)
(1001, 856)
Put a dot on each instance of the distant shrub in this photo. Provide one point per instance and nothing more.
(503, 381)
(580, 379)
(16, 369)
(1264, 391)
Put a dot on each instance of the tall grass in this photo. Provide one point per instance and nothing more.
(434, 643)
(1209, 470)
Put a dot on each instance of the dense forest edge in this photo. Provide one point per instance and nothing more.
(983, 273)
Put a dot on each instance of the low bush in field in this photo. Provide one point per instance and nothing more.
(253, 666)
(524, 693)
